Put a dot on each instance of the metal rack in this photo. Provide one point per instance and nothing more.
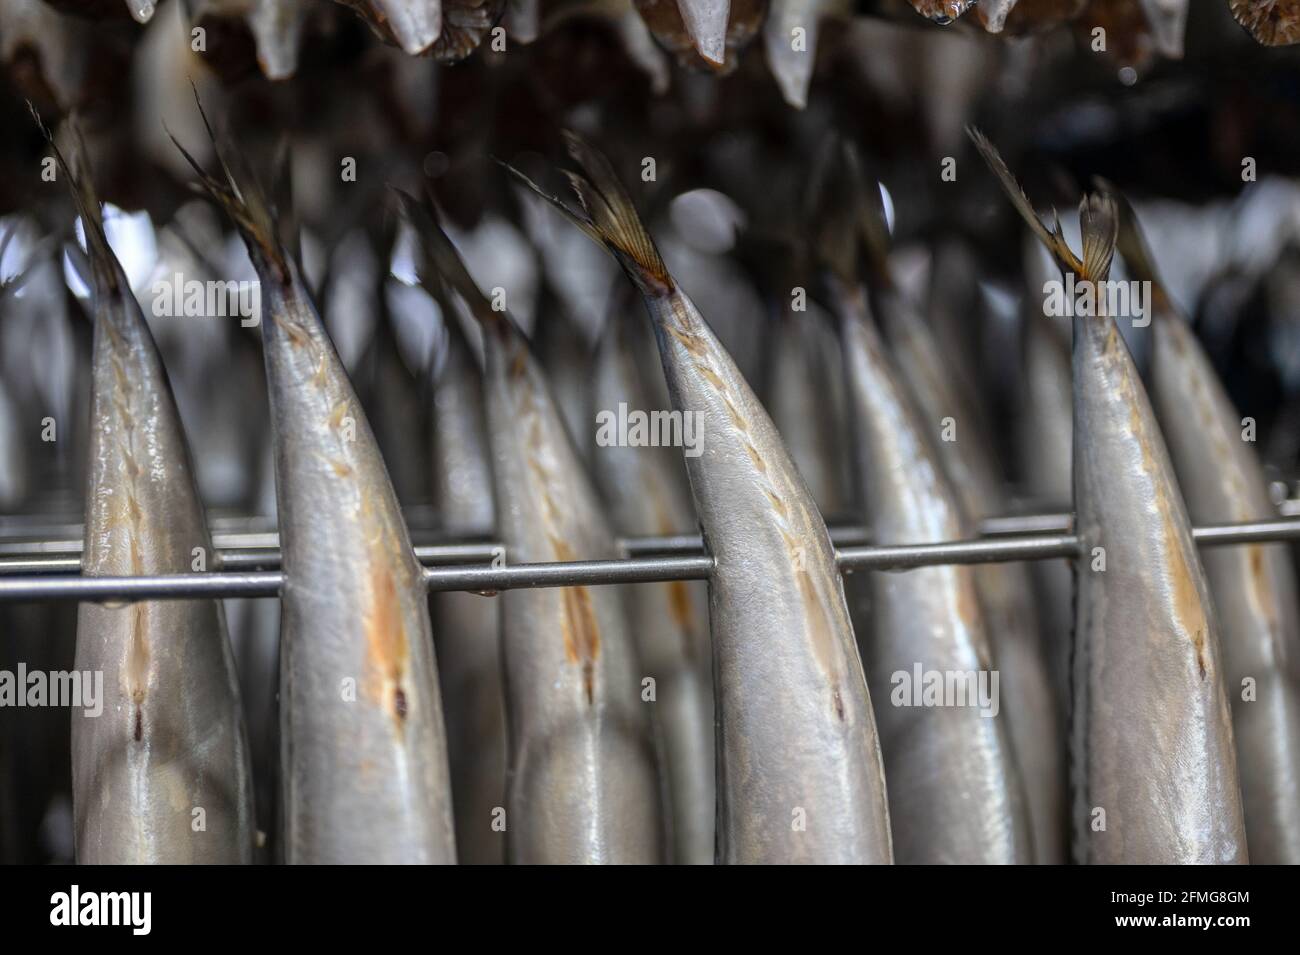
(47, 569)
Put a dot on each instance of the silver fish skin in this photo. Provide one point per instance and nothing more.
(582, 784)
(1151, 731)
(785, 662)
(805, 397)
(364, 757)
(647, 492)
(468, 626)
(955, 790)
(1030, 703)
(1254, 586)
(168, 747)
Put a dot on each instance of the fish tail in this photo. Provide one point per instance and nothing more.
(105, 270)
(1051, 238)
(608, 216)
(445, 268)
(240, 196)
(1099, 222)
(1131, 242)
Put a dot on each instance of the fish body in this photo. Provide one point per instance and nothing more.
(1153, 766)
(468, 626)
(582, 784)
(1253, 586)
(363, 753)
(955, 790)
(161, 773)
(785, 663)
(648, 495)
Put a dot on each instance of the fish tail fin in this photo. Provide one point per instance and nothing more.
(1099, 222)
(443, 268)
(1051, 238)
(105, 271)
(608, 215)
(239, 195)
(1131, 242)
(836, 209)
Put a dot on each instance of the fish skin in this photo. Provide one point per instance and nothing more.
(942, 12)
(364, 762)
(792, 69)
(785, 662)
(1253, 586)
(955, 790)
(1030, 705)
(170, 739)
(1270, 22)
(1156, 701)
(706, 24)
(277, 26)
(648, 494)
(468, 626)
(582, 784)
(993, 14)
(802, 349)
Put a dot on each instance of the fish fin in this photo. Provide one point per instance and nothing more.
(1131, 242)
(1051, 238)
(448, 268)
(1099, 222)
(834, 195)
(608, 215)
(240, 196)
(105, 271)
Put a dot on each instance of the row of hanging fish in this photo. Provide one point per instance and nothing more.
(58, 47)
(1146, 711)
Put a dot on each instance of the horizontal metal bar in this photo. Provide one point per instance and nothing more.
(639, 569)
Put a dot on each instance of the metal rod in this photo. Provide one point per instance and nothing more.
(639, 569)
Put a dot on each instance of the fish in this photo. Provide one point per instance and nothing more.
(1254, 585)
(1148, 676)
(1270, 22)
(160, 764)
(791, 55)
(801, 349)
(955, 789)
(467, 626)
(942, 12)
(582, 784)
(363, 751)
(1168, 22)
(949, 409)
(785, 662)
(993, 14)
(413, 25)
(711, 34)
(648, 495)
(141, 11)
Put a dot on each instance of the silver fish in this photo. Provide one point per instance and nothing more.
(1254, 586)
(468, 626)
(1154, 771)
(955, 790)
(648, 494)
(1029, 703)
(582, 784)
(161, 773)
(364, 758)
(785, 662)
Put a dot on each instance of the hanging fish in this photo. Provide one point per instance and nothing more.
(784, 659)
(1153, 767)
(364, 756)
(1271, 22)
(942, 12)
(161, 772)
(1254, 586)
(582, 784)
(648, 495)
(949, 409)
(468, 626)
(956, 794)
(706, 33)
(790, 42)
